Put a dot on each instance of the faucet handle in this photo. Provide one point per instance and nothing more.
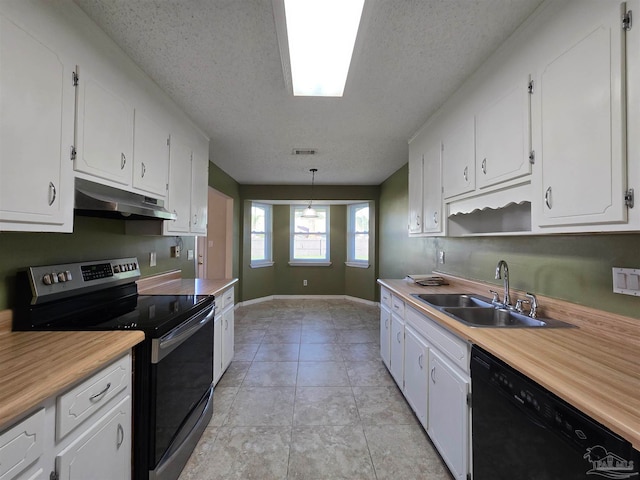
(533, 313)
(518, 308)
(496, 296)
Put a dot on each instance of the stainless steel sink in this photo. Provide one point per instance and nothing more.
(453, 299)
(501, 318)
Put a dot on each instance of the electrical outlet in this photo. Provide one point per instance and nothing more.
(175, 251)
(304, 283)
(152, 259)
(189, 254)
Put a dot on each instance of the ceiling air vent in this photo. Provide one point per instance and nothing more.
(304, 151)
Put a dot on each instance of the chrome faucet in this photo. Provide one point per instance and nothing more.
(503, 265)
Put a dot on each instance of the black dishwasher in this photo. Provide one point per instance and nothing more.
(522, 431)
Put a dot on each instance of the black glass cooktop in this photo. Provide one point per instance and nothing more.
(114, 309)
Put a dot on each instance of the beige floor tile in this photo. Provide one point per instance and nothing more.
(325, 406)
(234, 375)
(271, 374)
(322, 374)
(369, 374)
(329, 452)
(383, 406)
(277, 352)
(223, 398)
(320, 352)
(262, 406)
(360, 352)
(244, 352)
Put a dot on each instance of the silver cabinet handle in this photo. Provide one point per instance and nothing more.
(433, 374)
(547, 198)
(123, 161)
(195, 219)
(176, 214)
(484, 166)
(435, 217)
(420, 361)
(95, 398)
(386, 323)
(417, 220)
(144, 170)
(465, 174)
(119, 436)
(398, 337)
(52, 193)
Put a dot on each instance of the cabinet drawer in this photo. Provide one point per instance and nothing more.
(79, 403)
(397, 306)
(21, 445)
(456, 349)
(385, 296)
(225, 299)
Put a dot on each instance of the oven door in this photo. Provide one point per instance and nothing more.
(182, 390)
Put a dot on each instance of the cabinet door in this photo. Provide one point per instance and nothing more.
(397, 350)
(582, 137)
(503, 137)
(199, 192)
(37, 101)
(105, 131)
(416, 358)
(217, 348)
(415, 187)
(179, 200)
(103, 452)
(227, 337)
(432, 189)
(385, 334)
(458, 159)
(449, 414)
(150, 156)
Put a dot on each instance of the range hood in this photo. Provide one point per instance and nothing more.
(93, 199)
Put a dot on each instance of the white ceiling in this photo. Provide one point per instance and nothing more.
(219, 60)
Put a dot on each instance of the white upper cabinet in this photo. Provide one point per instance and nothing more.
(458, 158)
(104, 138)
(432, 188)
(199, 191)
(36, 133)
(179, 201)
(150, 156)
(416, 156)
(503, 137)
(581, 141)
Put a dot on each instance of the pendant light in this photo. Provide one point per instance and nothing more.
(310, 212)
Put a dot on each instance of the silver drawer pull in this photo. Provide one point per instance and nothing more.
(433, 374)
(94, 398)
(52, 193)
(420, 361)
(123, 161)
(547, 198)
(119, 436)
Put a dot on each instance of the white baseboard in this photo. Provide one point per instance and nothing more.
(307, 297)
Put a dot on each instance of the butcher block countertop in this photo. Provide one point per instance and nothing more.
(595, 367)
(171, 283)
(38, 365)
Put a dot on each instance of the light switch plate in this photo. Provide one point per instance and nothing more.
(626, 281)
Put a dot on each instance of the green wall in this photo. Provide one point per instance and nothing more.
(283, 279)
(92, 239)
(576, 268)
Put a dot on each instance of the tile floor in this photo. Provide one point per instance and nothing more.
(307, 397)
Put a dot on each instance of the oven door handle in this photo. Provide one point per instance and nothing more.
(164, 345)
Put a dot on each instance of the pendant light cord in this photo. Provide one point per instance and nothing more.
(313, 177)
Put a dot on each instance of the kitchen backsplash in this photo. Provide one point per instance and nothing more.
(93, 239)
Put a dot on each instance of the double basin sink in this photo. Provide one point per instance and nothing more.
(478, 311)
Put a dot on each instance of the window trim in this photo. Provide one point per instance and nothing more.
(268, 236)
(304, 262)
(351, 236)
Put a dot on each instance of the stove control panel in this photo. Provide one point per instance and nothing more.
(51, 282)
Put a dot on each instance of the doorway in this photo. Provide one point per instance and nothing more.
(215, 251)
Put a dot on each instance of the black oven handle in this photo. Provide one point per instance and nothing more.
(163, 346)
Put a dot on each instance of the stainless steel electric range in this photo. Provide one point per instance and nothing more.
(173, 366)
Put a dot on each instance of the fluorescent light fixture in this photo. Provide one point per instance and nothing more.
(321, 36)
(309, 212)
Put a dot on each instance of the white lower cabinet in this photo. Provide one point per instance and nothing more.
(103, 452)
(416, 366)
(449, 413)
(397, 349)
(223, 333)
(97, 446)
(385, 335)
(431, 366)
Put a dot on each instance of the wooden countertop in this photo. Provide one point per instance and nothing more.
(595, 367)
(38, 365)
(172, 284)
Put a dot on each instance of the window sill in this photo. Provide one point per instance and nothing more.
(299, 263)
(357, 264)
(261, 264)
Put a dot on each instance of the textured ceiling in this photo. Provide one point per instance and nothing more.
(219, 60)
